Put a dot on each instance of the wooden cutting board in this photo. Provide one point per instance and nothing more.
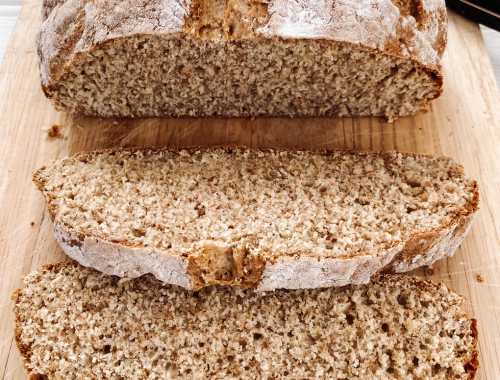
(463, 124)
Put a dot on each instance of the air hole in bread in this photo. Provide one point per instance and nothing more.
(38, 376)
(402, 299)
(349, 319)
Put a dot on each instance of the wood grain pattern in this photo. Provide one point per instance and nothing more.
(464, 124)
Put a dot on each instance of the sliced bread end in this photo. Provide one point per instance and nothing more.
(74, 322)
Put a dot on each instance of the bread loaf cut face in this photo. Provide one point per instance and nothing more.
(260, 218)
(242, 58)
(100, 327)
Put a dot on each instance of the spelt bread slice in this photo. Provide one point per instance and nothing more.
(260, 218)
(74, 322)
(241, 58)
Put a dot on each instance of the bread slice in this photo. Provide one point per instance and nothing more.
(260, 218)
(75, 322)
(242, 58)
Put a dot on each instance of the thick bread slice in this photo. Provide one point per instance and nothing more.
(260, 218)
(241, 58)
(74, 322)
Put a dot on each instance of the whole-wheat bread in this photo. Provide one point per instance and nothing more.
(74, 323)
(260, 218)
(240, 58)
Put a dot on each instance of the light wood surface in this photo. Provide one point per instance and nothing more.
(492, 41)
(464, 124)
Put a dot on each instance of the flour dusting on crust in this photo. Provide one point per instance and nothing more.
(367, 22)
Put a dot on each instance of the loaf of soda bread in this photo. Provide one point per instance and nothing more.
(242, 58)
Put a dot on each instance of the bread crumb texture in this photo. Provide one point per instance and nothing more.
(159, 76)
(74, 322)
(273, 203)
(52, 131)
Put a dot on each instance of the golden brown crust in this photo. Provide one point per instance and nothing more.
(425, 13)
(234, 19)
(23, 350)
(225, 19)
(473, 365)
(224, 265)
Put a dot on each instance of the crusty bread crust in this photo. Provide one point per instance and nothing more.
(413, 31)
(469, 359)
(237, 265)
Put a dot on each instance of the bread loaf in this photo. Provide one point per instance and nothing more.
(73, 322)
(241, 58)
(260, 218)
(48, 6)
